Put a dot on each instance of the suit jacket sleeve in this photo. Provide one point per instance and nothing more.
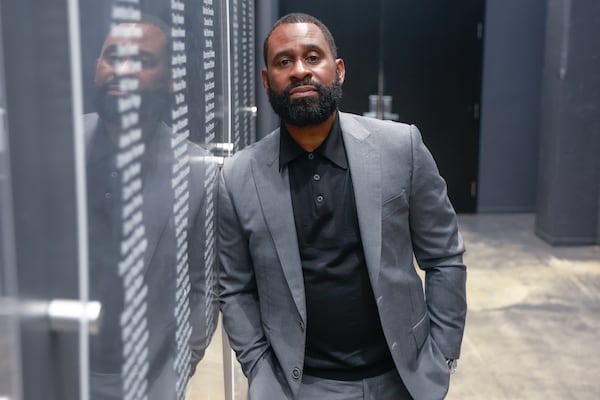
(438, 249)
(237, 288)
(201, 252)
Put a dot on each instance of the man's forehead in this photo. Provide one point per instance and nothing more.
(134, 33)
(286, 34)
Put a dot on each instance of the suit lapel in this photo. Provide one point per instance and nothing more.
(274, 194)
(365, 168)
(158, 195)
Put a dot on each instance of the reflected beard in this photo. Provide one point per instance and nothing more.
(306, 111)
(154, 105)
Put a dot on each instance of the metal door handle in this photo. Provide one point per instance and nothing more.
(253, 110)
(66, 315)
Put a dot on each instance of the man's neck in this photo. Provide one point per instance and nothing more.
(115, 130)
(310, 137)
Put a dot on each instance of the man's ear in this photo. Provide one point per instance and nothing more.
(341, 69)
(265, 79)
(169, 85)
(96, 70)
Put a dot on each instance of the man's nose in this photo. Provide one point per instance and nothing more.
(128, 66)
(301, 70)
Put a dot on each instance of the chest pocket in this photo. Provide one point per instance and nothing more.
(394, 205)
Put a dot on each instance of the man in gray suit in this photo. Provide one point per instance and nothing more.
(318, 226)
(162, 229)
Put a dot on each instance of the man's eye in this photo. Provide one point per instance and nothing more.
(147, 62)
(284, 62)
(111, 59)
(313, 58)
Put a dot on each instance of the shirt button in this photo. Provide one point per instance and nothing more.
(320, 199)
(316, 177)
(114, 174)
(296, 373)
(107, 195)
(311, 156)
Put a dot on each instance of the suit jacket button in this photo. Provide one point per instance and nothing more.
(302, 325)
(296, 373)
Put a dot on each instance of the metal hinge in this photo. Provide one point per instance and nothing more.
(473, 188)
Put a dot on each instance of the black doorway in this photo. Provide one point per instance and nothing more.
(426, 55)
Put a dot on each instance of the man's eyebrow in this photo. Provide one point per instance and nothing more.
(282, 53)
(316, 47)
(140, 52)
(308, 47)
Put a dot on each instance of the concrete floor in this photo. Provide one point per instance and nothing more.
(533, 326)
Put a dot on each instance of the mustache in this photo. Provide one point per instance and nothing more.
(113, 83)
(305, 82)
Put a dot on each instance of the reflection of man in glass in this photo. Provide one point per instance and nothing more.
(132, 95)
(150, 66)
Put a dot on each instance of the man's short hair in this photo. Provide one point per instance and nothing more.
(145, 19)
(298, 18)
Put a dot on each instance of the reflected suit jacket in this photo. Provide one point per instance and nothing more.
(403, 211)
(159, 263)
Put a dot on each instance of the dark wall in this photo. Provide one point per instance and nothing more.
(512, 68)
(267, 12)
(517, 129)
(568, 206)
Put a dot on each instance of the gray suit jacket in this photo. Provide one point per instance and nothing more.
(403, 210)
(160, 266)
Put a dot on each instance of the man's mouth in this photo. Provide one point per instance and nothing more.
(114, 90)
(303, 91)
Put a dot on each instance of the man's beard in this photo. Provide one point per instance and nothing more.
(154, 105)
(308, 110)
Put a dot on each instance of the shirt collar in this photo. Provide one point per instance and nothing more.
(102, 148)
(332, 147)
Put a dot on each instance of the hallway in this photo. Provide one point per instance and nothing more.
(533, 325)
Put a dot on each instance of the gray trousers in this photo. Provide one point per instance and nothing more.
(387, 386)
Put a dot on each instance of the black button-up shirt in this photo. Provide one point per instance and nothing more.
(344, 339)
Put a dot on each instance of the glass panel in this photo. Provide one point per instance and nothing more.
(154, 106)
(242, 69)
(157, 84)
(9, 331)
(41, 216)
